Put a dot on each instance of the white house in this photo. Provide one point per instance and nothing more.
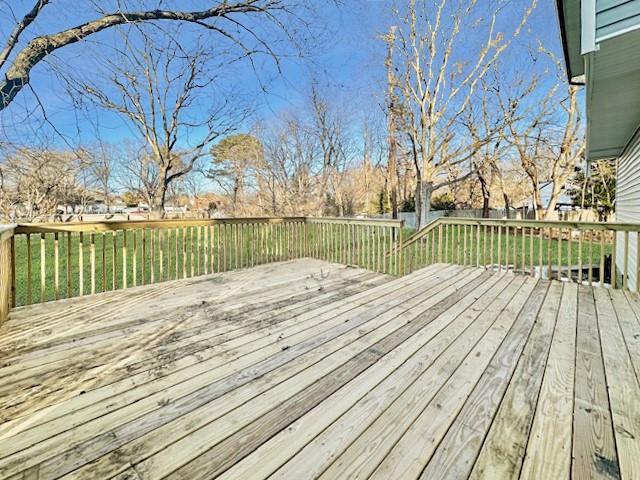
(601, 40)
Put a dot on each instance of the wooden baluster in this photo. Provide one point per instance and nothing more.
(176, 253)
(184, 252)
(144, 256)
(56, 267)
(191, 252)
(379, 248)
(499, 248)
(506, 249)
(523, 250)
(135, 258)
(152, 251)
(446, 243)
(124, 259)
(570, 256)
(433, 246)
(218, 253)
(439, 240)
(238, 243)
(464, 246)
(158, 233)
(29, 269)
(591, 258)
(491, 248)
(531, 242)
(580, 265)
(92, 261)
(549, 258)
(206, 249)
(478, 235)
(42, 267)
(540, 242)
(559, 274)
(113, 260)
(602, 258)
(485, 237)
(614, 267)
(211, 254)
(168, 254)
(198, 249)
(225, 243)
(81, 264)
(68, 265)
(104, 263)
(459, 248)
(515, 249)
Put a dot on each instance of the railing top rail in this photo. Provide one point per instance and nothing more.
(382, 222)
(112, 225)
(617, 226)
(7, 231)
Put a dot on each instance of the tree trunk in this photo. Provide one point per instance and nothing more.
(486, 196)
(425, 208)
(507, 204)
(392, 165)
(417, 201)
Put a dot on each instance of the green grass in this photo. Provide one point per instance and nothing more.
(479, 249)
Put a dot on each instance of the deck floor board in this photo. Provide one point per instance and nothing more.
(308, 369)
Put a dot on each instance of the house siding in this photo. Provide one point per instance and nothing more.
(628, 204)
(614, 16)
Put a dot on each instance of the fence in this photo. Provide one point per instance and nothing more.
(42, 262)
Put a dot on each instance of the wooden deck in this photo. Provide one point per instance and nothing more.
(307, 369)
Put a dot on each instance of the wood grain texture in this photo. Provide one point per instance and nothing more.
(594, 449)
(308, 369)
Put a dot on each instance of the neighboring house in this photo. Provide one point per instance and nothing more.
(601, 40)
(565, 202)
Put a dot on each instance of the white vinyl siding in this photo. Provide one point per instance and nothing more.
(616, 17)
(628, 204)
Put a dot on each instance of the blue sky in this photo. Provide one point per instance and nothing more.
(347, 60)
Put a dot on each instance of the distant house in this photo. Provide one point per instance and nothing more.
(601, 40)
(565, 202)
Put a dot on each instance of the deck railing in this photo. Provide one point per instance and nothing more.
(584, 252)
(42, 262)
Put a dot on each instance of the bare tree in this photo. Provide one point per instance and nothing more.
(101, 160)
(229, 20)
(441, 75)
(549, 148)
(329, 126)
(34, 183)
(286, 180)
(165, 93)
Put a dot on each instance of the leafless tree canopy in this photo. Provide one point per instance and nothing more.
(225, 20)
